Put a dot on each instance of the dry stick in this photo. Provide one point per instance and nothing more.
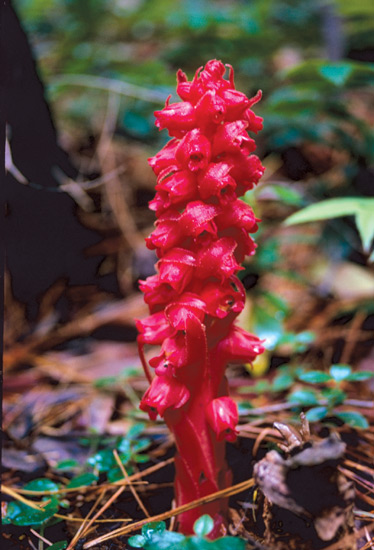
(82, 520)
(352, 341)
(37, 506)
(132, 489)
(261, 436)
(113, 189)
(224, 493)
(110, 85)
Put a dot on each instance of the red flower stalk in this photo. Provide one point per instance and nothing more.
(201, 237)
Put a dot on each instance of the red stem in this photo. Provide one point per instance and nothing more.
(143, 360)
(200, 462)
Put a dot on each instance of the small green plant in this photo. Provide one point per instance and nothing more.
(323, 399)
(155, 537)
(330, 394)
(130, 449)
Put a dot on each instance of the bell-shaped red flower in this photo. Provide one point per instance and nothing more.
(217, 260)
(222, 416)
(240, 346)
(194, 151)
(154, 329)
(232, 137)
(177, 118)
(164, 393)
(176, 268)
(165, 157)
(216, 181)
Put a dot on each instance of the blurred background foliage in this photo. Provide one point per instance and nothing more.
(314, 62)
(107, 65)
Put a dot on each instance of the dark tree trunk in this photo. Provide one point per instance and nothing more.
(44, 239)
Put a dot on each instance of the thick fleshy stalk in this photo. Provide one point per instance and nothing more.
(201, 238)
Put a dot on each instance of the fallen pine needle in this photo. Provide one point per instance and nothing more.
(13, 493)
(132, 489)
(40, 537)
(84, 527)
(166, 515)
(83, 520)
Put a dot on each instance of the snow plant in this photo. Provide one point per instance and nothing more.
(201, 238)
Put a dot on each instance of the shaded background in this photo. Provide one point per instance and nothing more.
(78, 186)
(108, 65)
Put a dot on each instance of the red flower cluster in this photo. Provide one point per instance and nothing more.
(201, 238)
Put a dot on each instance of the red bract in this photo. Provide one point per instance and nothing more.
(201, 237)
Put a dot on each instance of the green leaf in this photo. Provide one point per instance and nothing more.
(103, 460)
(141, 444)
(106, 381)
(203, 526)
(338, 74)
(137, 541)
(305, 397)
(82, 480)
(115, 474)
(141, 459)
(330, 208)
(316, 413)
(67, 465)
(361, 208)
(261, 386)
(298, 342)
(42, 484)
(365, 225)
(315, 377)
(196, 543)
(61, 545)
(228, 543)
(135, 430)
(286, 194)
(153, 527)
(267, 327)
(282, 382)
(334, 396)
(19, 513)
(360, 376)
(167, 540)
(322, 74)
(244, 406)
(353, 418)
(340, 372)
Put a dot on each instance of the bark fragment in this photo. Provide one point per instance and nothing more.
(308, 501)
